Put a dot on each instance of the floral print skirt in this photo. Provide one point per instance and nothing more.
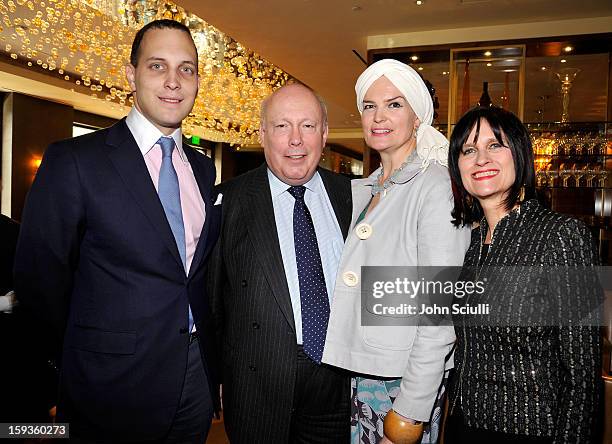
(371, 399)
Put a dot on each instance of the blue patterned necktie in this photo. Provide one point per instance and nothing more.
(170, 197)
(313, 292)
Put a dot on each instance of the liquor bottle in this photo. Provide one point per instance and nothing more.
(485, 98)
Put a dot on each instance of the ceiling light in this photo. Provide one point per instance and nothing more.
(419, 2)
(414, 58)
(444, 73)
(510, 60)
(568, 49)
(543, 68)
(488, 53)
(509, 70)
(420, 68)
(83, 43)
(563, 61)
(489, 64)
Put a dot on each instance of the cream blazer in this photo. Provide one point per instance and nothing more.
(410, 226)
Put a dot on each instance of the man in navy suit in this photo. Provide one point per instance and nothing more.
(115, 233)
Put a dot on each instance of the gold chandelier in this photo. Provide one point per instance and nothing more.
(87, 42)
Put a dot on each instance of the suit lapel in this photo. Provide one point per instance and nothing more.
(129, 163)
(262, 230)
(339, 194)
(203, 180)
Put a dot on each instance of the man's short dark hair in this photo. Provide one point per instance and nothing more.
(156, 24)
(519, 143)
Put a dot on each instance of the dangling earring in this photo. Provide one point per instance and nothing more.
(521, 196)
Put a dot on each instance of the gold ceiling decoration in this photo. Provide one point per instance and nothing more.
(87, 43)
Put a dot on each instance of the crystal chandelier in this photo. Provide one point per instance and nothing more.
(87, 43)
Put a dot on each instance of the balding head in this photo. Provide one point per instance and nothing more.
(290, 86)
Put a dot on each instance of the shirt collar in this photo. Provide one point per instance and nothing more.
(147, 135)
(278, 187)
(412, 168)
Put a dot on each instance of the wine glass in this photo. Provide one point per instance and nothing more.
(575, 144)
(540, 177)
(591, 173)
(591, 147)
(554, 145)
(564, 174)
(552, 177)
(562, 147)
(537, 145)
(590, 143)
(598, 145)
(602, 178)
(580, 172)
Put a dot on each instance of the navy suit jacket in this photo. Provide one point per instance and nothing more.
(97, 262)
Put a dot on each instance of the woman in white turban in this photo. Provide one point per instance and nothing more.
(401, 217)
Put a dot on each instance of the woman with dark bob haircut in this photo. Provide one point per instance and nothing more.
(529, 382)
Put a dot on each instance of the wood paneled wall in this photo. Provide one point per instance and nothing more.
(29, 125)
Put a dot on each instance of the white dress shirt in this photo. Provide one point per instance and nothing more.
(327, 229)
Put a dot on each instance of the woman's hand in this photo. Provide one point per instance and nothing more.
(385, 440)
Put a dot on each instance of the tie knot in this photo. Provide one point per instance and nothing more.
(167, 145)
(298, 192)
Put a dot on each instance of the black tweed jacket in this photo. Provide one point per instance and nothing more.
(539, 380)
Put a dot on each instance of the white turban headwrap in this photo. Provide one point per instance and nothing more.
(431, 144)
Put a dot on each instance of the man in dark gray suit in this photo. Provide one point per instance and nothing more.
(273, 272)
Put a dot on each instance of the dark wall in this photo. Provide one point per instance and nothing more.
(36, 123)
(92, 120)
(234, 163)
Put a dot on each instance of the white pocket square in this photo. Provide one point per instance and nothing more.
(219, 199)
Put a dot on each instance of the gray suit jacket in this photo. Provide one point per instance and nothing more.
(252, 308)
(410, 226)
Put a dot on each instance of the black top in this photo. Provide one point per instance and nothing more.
(9, 230)
(539, 380)
(484, 251)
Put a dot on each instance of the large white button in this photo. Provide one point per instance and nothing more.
(350, 278)
(363, 230)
